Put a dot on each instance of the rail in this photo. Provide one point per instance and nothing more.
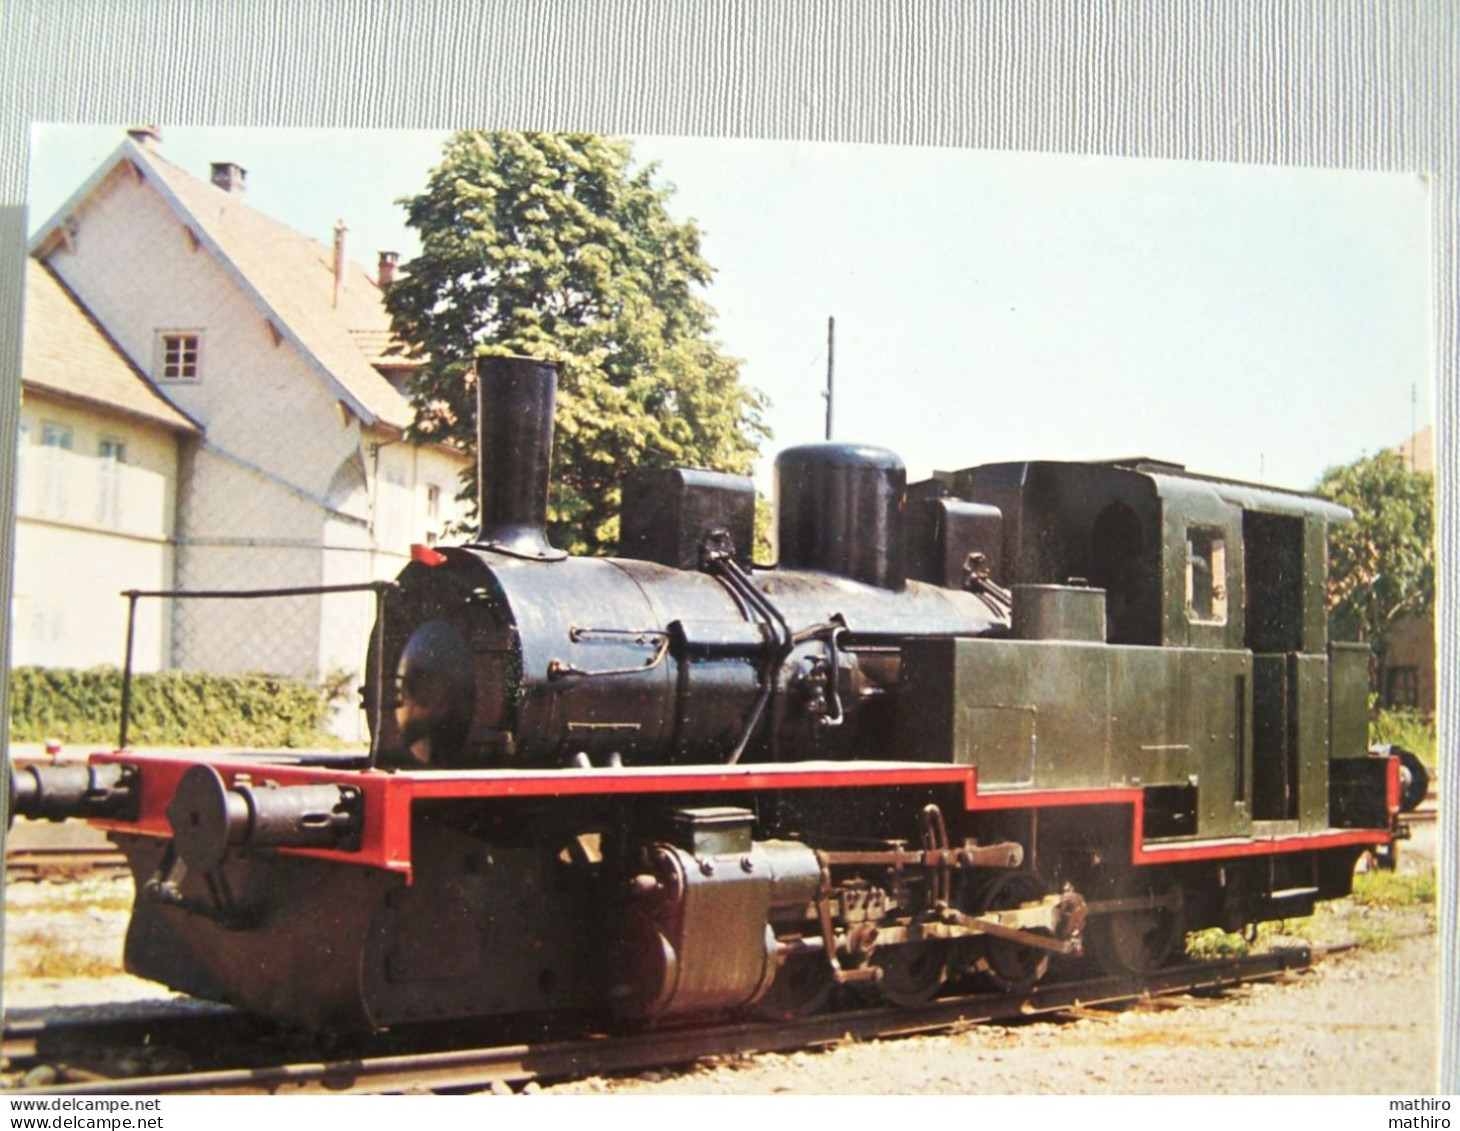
(597, 1053)
(63, 861)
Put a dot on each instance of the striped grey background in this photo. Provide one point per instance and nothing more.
(1362, 84)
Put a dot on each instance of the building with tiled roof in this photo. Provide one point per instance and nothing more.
(274, 350)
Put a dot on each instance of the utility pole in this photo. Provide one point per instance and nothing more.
(830, 370)
(1413, 422)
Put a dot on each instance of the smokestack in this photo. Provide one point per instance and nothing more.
(148, 137)
(230, 177)
(515, 397)
(340, 231)
(385, 269)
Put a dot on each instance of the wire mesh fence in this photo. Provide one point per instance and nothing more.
(314, 636)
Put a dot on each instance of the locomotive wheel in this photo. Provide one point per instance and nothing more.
(912, 974)
(1414, 779)
(1008, 965)
(1135, 942)
(802, 986)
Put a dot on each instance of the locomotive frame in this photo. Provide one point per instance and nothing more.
(1010, 717)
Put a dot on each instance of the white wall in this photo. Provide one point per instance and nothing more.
(86, 530)
(405, 475)
(240, 530)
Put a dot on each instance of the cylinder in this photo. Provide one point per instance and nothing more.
(515, 398)
(840, 511)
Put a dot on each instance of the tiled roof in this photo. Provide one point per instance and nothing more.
(381, 347)
(66, 353)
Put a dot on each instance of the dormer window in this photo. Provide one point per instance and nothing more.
(178, 355)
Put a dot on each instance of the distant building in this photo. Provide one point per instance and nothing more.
(1407, 676)
(277, 447)
(1418, 452)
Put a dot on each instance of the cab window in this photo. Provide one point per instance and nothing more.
(1206, 575)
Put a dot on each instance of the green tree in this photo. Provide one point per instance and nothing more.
(553, 246)
(1381, 566)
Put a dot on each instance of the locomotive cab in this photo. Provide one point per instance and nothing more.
(1217, 693)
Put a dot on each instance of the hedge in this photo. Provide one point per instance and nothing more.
(173, 708)
(1413, 730)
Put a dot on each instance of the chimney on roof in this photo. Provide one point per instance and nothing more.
(230, 177)
(148, 137)
(340, 231)
(385, 270)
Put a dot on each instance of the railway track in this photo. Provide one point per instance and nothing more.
(56, 862)
(1427, 812)
(85, 1056)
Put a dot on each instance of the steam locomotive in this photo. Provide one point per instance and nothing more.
(975, 729)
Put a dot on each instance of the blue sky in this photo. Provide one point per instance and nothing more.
(1260, 323)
